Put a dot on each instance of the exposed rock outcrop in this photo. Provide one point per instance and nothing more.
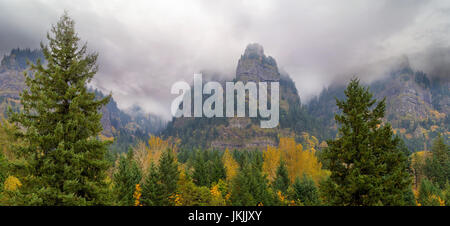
(257, 67)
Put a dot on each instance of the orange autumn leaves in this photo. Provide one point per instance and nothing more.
(298, 160)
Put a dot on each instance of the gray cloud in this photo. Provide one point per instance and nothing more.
(145, 46)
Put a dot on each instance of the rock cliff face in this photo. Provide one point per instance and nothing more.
(417, 106)
(257, 67)
(406, 98)
(240, 133)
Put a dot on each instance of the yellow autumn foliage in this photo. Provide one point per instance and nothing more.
(434, 128)
(437, 115)
(137, 195)
(298, 161)
(145, 154)
(12, 183)
(231, 166)
(271, 160)
(105, 138)
(217, 199)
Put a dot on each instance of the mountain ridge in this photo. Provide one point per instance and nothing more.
(122, 127)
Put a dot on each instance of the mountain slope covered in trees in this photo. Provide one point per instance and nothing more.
(125, 128)
(417, 106)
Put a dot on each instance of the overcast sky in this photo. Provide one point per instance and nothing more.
(146, 46)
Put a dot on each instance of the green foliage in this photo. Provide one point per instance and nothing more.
(281, 182)
(367, 168)
(3, 170)
(152, 190)
(437, 168)
(200, 174)
(192, 195)
(305, 191)
(168, 176)
(429, 194)
(125, 179)
(61, 120)
(409, 198)
(161, 183)
(249, 187)
(446, 194)
(208, 167)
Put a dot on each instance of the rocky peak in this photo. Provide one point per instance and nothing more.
(255, 66)
(254, 50)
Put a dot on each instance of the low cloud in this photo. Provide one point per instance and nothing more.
(146, 46)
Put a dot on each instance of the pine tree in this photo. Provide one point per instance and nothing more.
(367, 167)
(437, 168)
(429, 194)
(249, 187)
(168, 175)
(305, 191)
(61, 122)
(217, 168)
(125, 179)
(201, 174)
(3, 171)
(151, 188)
(191, 195)
(281, 182)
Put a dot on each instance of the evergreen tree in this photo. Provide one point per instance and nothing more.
(437, 168)
(168, 175)
(249, 187)
(3, 171)
(190, 194)
(409, 198)
(61, 121)
(127, 176)
(429, 194)
(217, 168)
(281, 182)
(151, 189)
(305, 191)
(367, 167)
(201, 174)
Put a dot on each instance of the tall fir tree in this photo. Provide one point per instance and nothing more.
(217, 168)
(201, 174)
(305, 190)
(125, 179)
(249, 187)
(281, 182)
(151, 188)
(367, 167)
(60, 124)
(168, 175)
(437, 167)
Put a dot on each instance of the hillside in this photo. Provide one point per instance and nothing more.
(417, 106)
(125, 128)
